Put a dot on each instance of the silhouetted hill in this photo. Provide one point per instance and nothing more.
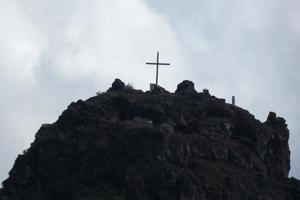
(126, 144)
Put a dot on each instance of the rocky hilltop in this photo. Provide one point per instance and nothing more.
(126, 144)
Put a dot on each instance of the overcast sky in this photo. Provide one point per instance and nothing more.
(54, 52)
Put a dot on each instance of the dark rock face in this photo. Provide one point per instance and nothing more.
(272, 118)
(130, 145)
(118, 85)
(206, 92)
(185, 87)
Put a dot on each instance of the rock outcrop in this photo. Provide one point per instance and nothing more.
(117, 85)
(186, 87)
(134, 145)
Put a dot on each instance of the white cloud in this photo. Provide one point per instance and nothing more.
(20, 44)
(95, 36)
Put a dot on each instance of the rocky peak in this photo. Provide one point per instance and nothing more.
(134, 145)
(273, 119)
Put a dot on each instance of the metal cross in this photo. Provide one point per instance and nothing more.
(157, 65)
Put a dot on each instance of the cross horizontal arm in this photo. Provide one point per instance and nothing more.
(158, 63)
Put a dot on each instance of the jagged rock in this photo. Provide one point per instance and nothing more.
(133, 145)
(185, 87)
(280, 120)
(206, 92)
(272, 117)
(118, 85)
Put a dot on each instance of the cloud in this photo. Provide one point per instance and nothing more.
(96, 36)
(54, 52)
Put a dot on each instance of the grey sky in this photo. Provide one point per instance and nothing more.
(54, 52)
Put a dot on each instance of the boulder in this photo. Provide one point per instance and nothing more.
(271, 117)
(117, 85)
(185, 87)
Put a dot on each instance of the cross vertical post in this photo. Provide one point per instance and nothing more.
(157, 66)
(156, 83)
